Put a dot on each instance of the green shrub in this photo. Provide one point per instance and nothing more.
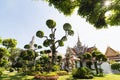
(62, 73)
(19, 69)
(82, 73)
(116, 66)
(56, 68)
(11, 69)
(1, 73)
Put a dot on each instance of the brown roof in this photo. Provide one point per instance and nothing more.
(90, 49)
(111, 52)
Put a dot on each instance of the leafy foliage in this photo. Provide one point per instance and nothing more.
(116, 66)
(44, 62)
(64, 5)
(27, 55)
(9, 43)
(3, 54)
(94, 11)
(50, 23)
(82, 73)
(40, 34)
(56, 68)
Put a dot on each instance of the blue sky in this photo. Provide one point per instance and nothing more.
(20, 19)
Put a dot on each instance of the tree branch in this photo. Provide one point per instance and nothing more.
(45, 37)
(57, 46)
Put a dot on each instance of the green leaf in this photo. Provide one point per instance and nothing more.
(46, 43)
(35, 45)
(50, 23)
(61, 43)
(27, 46)
(40, 34)
(67, 27)
(71, 32)
(51, 35)
(9, 43)
(39, 47)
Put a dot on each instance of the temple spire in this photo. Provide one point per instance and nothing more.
(32, 43)
(79, 43)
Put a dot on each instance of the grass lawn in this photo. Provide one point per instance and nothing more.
(18, 76)
(106, 77)
(63, 77)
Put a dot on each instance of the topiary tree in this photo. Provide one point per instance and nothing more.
(98, 59)
(99, 13)
(51, 41)
(9, 43)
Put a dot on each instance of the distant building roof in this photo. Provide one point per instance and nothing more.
(111, 52)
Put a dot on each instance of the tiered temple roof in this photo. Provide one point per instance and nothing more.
(79, 49)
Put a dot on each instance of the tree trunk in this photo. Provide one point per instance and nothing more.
(81, 64)
(54, 55)
(96, 68)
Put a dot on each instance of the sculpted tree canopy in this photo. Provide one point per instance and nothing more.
(9, 43)
(99, 13)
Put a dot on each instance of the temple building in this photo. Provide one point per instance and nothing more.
(72, 54)
(112, 54)
(79, 49)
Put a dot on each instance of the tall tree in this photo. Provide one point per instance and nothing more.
(99, 13)
(51, 41)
